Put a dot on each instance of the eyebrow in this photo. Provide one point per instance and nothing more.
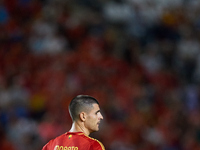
(97, 111)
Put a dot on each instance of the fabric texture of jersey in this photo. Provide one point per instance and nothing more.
(74, 141)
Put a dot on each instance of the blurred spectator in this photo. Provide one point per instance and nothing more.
(140, 58)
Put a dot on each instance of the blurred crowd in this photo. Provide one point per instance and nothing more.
(139, 58)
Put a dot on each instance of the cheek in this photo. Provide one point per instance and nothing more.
(92, 120)
(91, 123)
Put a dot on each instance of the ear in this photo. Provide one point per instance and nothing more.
(82, 116)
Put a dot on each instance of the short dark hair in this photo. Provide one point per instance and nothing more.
(81, 103)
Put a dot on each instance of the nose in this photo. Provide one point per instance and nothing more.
(101, 116)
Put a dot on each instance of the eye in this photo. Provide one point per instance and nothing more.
(97, 112)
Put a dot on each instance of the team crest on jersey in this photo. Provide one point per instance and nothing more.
(69, 136)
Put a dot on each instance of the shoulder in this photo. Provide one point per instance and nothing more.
(50, 143)
(95, 144)
(58, 138)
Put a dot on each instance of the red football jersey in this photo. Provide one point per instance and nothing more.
(74, 141)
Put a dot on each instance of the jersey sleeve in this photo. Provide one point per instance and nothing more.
(96, 145)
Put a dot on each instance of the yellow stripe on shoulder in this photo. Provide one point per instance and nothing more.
(102, 146)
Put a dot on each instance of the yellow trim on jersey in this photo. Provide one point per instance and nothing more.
(102, 146)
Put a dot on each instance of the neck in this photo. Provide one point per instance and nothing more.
(79, 127)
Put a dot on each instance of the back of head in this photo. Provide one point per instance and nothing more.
(81, 103)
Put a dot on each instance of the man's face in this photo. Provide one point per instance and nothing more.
(93, 118)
